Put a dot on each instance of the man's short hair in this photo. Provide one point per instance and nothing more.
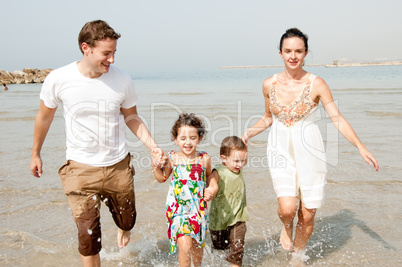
(95, 31)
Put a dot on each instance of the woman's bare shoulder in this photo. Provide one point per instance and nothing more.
(267, 84)
(318, 81)
(268, 80)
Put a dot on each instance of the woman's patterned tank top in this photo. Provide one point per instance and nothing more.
(295, 111)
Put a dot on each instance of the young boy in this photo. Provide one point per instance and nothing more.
(228, 213)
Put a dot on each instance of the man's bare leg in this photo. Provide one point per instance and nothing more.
(123, 237)
(90, 261)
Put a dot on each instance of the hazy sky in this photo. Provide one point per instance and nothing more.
(165, 35)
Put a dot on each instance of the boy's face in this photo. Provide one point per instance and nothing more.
(236, 160)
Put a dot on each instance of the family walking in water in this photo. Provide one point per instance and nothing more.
(202, 199)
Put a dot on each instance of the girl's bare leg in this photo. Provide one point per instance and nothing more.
(287, 208)
(196, 254)
(185, 245)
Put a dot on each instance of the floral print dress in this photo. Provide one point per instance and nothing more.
(186, 209)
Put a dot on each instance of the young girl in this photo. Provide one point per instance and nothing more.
(189, 190)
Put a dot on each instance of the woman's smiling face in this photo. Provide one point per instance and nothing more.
(293, 52)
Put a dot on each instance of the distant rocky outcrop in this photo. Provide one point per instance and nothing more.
(27, 75)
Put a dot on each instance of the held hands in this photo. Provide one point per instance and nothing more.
(210, 192)
(160, 165)
(159, 158)
(245, 138)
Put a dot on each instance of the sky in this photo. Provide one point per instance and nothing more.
(178, 35)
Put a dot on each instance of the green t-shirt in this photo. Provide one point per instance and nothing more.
(229, 205)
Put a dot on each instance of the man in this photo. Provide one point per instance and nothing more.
(98, 101)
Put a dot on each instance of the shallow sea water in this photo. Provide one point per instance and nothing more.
(358, 225)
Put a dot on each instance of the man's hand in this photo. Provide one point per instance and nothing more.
(36, 166)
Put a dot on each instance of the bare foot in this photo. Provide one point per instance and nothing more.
(286, 238)
(123, 237)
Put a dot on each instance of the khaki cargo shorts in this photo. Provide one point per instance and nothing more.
(86, 186)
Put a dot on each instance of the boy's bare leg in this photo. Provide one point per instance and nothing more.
(90, 261)
(123, 237)
(287, 208)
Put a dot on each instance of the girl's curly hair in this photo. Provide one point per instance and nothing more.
(186, 119)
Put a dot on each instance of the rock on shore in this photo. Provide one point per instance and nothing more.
(27, 75)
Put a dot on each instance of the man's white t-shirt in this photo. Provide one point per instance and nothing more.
(95, 127)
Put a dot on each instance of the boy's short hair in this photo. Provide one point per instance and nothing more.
(232, 143)
(95, 31)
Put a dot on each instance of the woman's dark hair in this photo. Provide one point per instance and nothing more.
(294, 32)
(232, 143)
(186, 119)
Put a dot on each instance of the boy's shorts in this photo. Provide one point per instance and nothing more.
(86, 186)
(232, 237)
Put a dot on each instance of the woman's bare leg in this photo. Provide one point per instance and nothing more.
(304, 227)
(287, 208)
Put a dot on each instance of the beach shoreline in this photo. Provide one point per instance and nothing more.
(335, 64)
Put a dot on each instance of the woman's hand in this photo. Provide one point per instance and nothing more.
(368, 157)
(245, 138)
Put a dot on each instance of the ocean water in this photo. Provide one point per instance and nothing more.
(358, 225)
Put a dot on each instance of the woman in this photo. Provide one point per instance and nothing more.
(295, 149)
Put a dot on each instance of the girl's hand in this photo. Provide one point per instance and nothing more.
(369, 158)
(161, 165)
(159, 158)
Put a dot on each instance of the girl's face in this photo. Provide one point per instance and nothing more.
(235, 161)
(187, 139)
(293, 52)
